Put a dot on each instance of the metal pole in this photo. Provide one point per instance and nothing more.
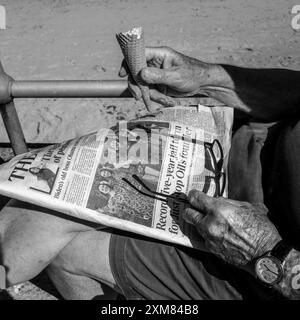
(69, 89)
(10, 116)
(13, 127)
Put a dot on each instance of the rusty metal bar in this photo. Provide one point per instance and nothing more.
(69, 89)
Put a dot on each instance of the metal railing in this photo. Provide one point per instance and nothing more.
(10, 89)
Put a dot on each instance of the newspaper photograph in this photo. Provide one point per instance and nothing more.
(134, 176)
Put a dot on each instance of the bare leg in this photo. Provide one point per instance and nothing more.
(31, 237)
(82, 270)
(77, 287)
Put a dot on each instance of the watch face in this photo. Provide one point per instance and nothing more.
(268, 270)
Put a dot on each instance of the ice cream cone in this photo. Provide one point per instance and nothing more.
(133, 48)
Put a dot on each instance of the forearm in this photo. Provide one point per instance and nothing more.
(290, 284)
(267, 94)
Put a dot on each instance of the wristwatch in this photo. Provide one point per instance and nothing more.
(269, 267)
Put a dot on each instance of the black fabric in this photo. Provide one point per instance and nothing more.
(281, 250)
(281, 164)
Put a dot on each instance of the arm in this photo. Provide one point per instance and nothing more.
(267, 94)
(290, 284)
(239, 232)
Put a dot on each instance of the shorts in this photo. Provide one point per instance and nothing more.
(144, 268)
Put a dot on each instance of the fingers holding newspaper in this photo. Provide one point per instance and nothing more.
(236, 231)
(170, 74)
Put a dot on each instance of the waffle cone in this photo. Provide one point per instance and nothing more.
(133, 47)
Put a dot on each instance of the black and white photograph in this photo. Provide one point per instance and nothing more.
(113, 110)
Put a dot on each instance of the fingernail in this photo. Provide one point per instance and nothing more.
(158, 111)
(163, 101)
(144, 74)
(171, 104)
(188, 215)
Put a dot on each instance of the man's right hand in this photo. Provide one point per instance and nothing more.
(171, 74)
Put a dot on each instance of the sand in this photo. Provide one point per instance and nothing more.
(72, 39)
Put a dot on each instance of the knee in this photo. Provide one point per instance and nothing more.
(61, 263)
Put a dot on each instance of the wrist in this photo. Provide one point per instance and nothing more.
(263, 250)
(268, 245)
(217, 76)
(214, 78)
(286, 269)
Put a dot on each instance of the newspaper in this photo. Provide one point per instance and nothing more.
(134, 176)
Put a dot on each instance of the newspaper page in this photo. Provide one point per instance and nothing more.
(134, 176)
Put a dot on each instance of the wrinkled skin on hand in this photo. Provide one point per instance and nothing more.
(236, 231)
(170, 74)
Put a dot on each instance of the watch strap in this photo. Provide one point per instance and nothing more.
(281, 250)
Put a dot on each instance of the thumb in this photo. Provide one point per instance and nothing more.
(158, 76)
(202, 202)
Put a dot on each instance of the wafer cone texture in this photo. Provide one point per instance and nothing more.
(133, 48)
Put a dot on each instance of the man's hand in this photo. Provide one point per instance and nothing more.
(238, 232)
(170, 74)
(269, 94)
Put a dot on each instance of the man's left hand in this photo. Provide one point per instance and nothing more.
(236, 231)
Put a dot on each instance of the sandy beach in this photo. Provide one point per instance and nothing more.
(73, 39)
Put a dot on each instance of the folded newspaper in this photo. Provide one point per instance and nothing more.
(134, 176)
